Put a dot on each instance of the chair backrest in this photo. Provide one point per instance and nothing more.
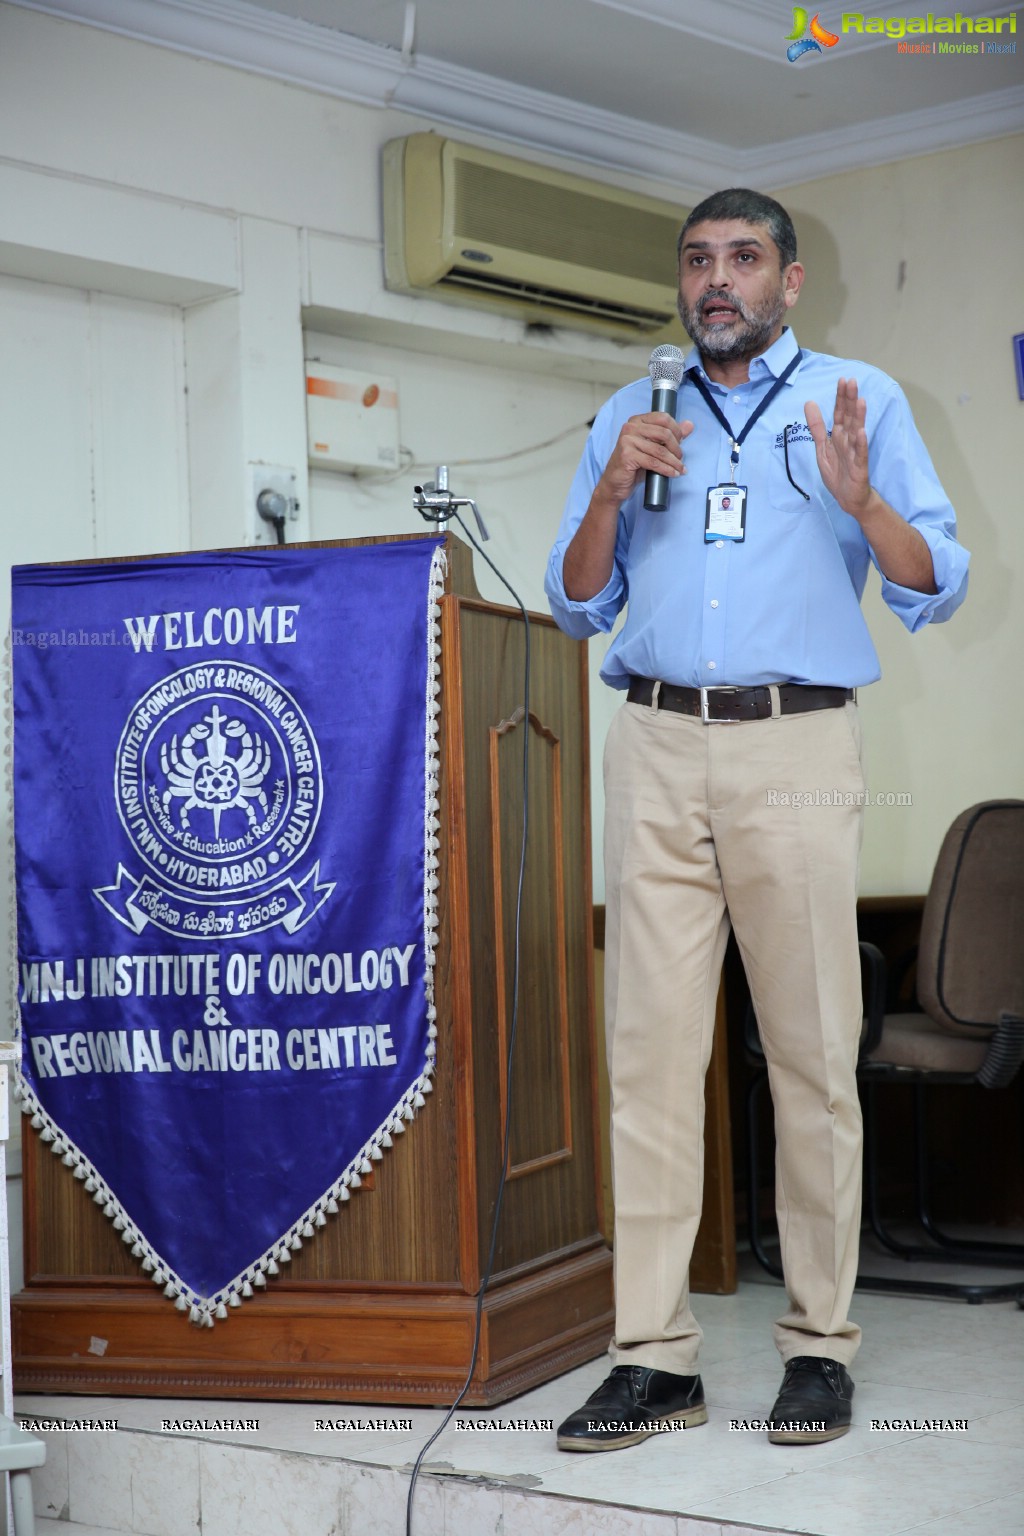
(970, 966)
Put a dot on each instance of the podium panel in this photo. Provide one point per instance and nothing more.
(381, 1306)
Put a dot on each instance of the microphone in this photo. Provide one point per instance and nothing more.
(666, 371)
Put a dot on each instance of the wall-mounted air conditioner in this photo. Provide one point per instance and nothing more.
(468, 225)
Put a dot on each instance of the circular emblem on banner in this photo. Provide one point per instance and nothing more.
(217, 779)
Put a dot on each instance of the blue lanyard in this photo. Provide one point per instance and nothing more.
(716, 410)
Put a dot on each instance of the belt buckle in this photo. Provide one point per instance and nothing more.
(708, 719)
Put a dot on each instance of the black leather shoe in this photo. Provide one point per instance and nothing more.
(815, 1402)
(632, 1404)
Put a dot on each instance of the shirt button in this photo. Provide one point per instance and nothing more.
(719, 544)
(714, 602)
(711, 666)
(735, 399)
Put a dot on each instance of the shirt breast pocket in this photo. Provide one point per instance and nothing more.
(793, 480)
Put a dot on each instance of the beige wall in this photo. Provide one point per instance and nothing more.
(918, 267)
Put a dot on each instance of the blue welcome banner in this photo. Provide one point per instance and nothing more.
(225, 810)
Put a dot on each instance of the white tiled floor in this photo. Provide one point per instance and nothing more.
(921, 1359)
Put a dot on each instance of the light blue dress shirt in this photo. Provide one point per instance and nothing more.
(783, 605)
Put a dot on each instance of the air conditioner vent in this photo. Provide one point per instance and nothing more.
(473, 227)
(495, 207)
(551, 302)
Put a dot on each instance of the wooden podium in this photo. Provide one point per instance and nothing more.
(380, 1307)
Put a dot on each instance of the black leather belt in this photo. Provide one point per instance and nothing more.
(735, 704)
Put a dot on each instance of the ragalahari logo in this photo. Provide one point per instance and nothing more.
(799, 44)
(986, 29)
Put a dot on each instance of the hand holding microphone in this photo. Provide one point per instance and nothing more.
(648, 445)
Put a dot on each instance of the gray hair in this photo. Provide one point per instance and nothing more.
(752, 208)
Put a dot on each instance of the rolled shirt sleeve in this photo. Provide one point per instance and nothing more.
(598, 614)
(902, 472)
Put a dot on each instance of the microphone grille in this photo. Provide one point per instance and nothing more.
(666, 365)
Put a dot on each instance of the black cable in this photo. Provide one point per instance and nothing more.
(789, 477)
(485, 1281)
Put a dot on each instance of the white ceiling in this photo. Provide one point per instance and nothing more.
(695, 93)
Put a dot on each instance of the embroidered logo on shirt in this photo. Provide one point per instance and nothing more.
(798, 432)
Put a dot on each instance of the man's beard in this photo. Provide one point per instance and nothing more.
(736, 342)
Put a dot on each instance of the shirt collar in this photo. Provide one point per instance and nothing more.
(766, 365)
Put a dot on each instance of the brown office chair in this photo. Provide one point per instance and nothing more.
(970, 986)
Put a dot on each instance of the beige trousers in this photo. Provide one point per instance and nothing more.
(702, 830)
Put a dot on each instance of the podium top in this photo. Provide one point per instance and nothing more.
(460, 579)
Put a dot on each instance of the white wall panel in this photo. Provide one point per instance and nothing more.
(140, 463)
(76, 232)
(46, 403)
(92, 449)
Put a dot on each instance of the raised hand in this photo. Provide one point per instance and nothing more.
(843, 456)
(901, 551)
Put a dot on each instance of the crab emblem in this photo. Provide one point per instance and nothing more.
(215, 781)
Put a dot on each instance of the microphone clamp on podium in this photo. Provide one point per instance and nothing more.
(435, 502)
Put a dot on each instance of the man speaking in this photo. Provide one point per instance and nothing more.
(743, 643)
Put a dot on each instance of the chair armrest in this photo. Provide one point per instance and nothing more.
(873, 971)
(873, 981)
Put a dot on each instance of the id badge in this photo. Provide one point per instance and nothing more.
(726, 513)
